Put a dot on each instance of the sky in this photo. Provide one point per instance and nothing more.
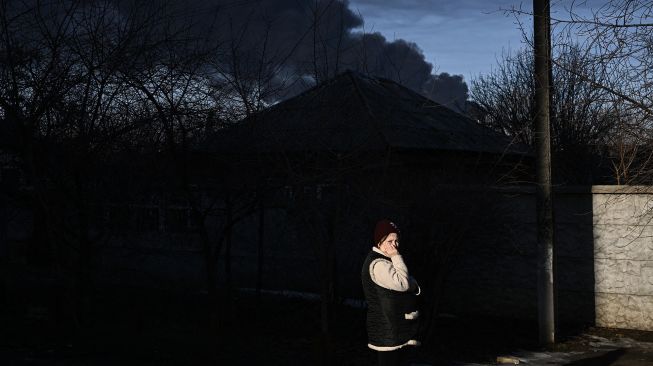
(434, 47)
(462, 37)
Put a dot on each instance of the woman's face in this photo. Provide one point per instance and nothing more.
(390, 243)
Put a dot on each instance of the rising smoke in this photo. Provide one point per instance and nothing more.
(298, 43)
(326, 37)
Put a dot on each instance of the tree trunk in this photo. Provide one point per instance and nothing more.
(228, 239)
(211, 288)
(4, 249)
(261, 242)
(328, 270)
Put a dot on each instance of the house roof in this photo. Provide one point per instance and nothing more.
(353, 112)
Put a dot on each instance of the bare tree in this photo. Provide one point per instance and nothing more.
(614, 43)
(64, 64)
(617, 39)
(583, 115)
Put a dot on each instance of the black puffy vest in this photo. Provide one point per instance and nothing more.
(387, 325)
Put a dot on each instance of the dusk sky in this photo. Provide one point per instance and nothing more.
(463, 37)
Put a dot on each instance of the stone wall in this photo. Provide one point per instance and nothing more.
(623, 256)
(604, 251)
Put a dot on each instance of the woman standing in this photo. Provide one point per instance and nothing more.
(390, 292)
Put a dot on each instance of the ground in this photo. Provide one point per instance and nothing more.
(136, 327)
(611, 347)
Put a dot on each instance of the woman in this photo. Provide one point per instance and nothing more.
(390, 292)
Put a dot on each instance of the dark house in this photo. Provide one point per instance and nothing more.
(328, 163)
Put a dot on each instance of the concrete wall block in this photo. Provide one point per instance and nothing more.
(623, 241)
(576, 306)
(574, 240)
(509, 302)
(624, 311)
(624, 276)
(519, 207)
(623, 209)
(518, 239)
(575, 274)
(494, 271)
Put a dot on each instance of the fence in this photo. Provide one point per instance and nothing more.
(604, 253)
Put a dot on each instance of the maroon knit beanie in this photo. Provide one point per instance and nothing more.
(384, 228)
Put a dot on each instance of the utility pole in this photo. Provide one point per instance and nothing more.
(545, 244)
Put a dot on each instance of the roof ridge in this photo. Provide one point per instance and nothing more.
(368, 110)
(433, 103)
